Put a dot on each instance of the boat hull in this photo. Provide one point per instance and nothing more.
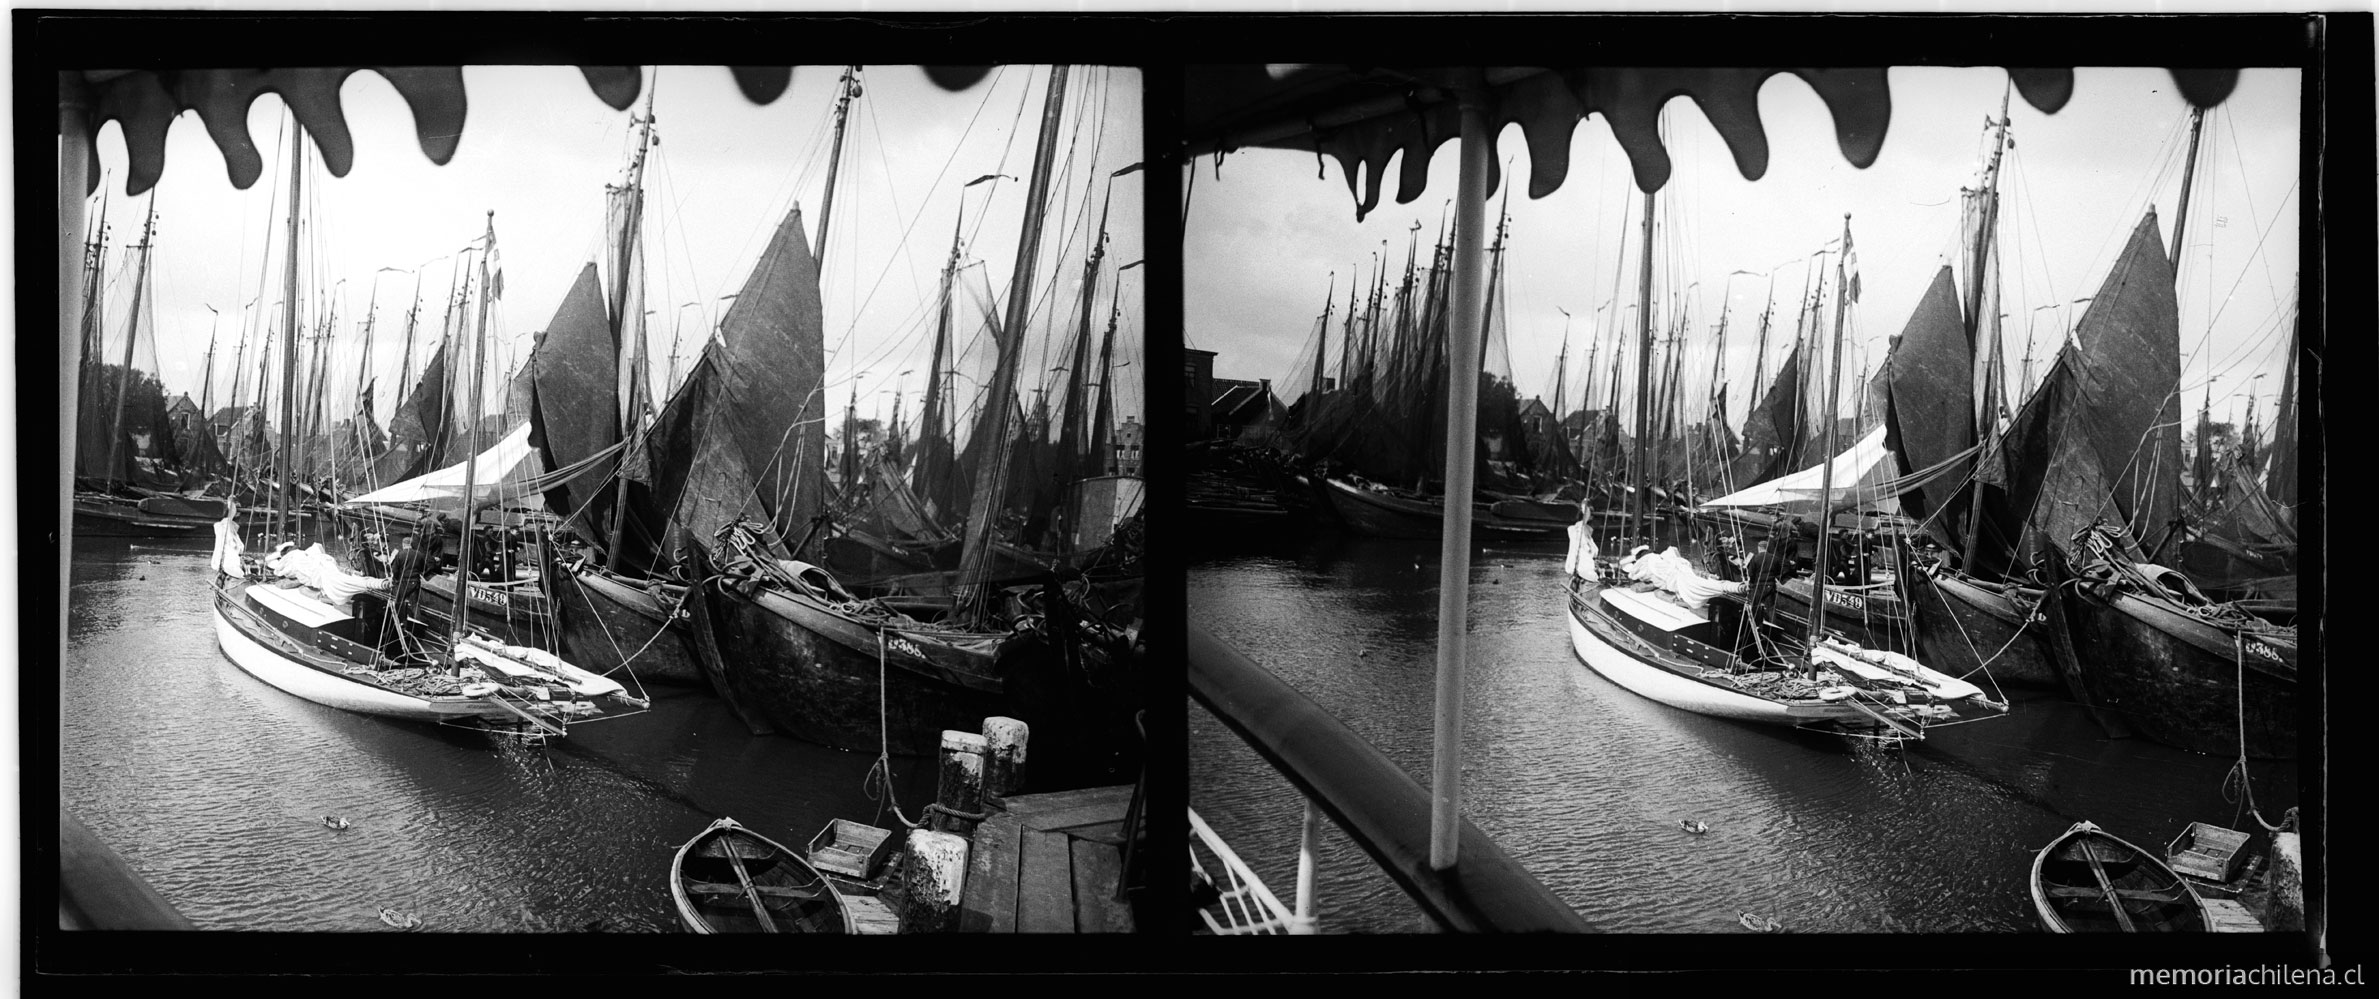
(1961, 626)
(517, 613)
(2176, 679)
(269, 655)
(814, 673)
(1872, 616)
(94, 519)
(1625, 659)
(601, 619)
(2070, 886)
(708, 876)
(1382, 515)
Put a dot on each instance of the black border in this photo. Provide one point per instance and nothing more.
(2335, 49)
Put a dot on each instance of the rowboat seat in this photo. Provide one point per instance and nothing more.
(773, 891)
(2138, 894)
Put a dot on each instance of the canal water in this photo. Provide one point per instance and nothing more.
(214, 786)
(1584, 782)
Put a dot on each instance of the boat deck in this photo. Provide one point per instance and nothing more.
(1050, 863)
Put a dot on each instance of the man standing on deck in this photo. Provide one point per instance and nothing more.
(1761, 572)
(405, 570)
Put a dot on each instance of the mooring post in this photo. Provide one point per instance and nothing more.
(933, 882)
(1003, 764)
(961, 786)
(2287, 874)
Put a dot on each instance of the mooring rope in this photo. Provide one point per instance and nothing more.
(2238, 771)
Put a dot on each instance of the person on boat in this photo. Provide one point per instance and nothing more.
(405, 571)
(1581, 544)
(1761, 572)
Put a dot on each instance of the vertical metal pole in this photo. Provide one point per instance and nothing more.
(1462, 418)
(74, 150)
(1307, 839)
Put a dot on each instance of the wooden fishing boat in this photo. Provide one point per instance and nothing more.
(2184, 672)
(796, 653)
(604, 619)
(729, 879)
(1380, 512)
(1962, 623)
(2089, 881)
(106, 516)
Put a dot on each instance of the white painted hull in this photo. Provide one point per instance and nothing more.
(1684, 693)
(292, 677)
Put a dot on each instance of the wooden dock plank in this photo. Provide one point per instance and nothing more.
(988, 902)
(2228, 916)
(1035, 804)
(870, 916)
(1072, 819)
(1098, 870)
(1045, 884)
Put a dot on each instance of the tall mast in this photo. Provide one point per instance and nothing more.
(1105, 414)
(932, 462)
(206, 388)
(1636, 514)
(1825, 492)
(1070, 437)
(282, 487)
(1983, 330)
(1321, 346)
(462, 565)
(848, 88)
(140, 283)
(630, 328)
(991, 482)
(2180, 223)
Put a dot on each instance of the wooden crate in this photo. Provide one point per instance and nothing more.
(2209, 852)
(852, 849)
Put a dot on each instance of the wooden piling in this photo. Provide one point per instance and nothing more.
(933, 882)
(961, 785)
(2287, 874)
(1003, 765)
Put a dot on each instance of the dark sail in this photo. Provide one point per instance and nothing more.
(2044, 472)
(575, 405)
(430, 412)
(770, 380)
(1772, 437)
(2128, 371)
(1929, 408)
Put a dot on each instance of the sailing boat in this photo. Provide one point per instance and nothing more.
(296, 621)
(119, 494)
(2085, 487)
(781, 638)
(1378, 438)
(1694, 643)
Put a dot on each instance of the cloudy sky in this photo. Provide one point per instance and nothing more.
(539, 148)
(2075, 184)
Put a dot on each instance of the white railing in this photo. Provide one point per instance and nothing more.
(1246, 906)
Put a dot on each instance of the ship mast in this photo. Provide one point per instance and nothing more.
(848, 88)
(461, 613)
(1825, 492)
(631, 327)
(991, 482)
(283, 489)
(115, 434)
(1986, 272)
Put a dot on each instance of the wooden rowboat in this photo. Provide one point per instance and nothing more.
(729, 879)
(2088, 881)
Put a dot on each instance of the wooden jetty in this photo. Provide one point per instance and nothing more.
(1050, 863)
